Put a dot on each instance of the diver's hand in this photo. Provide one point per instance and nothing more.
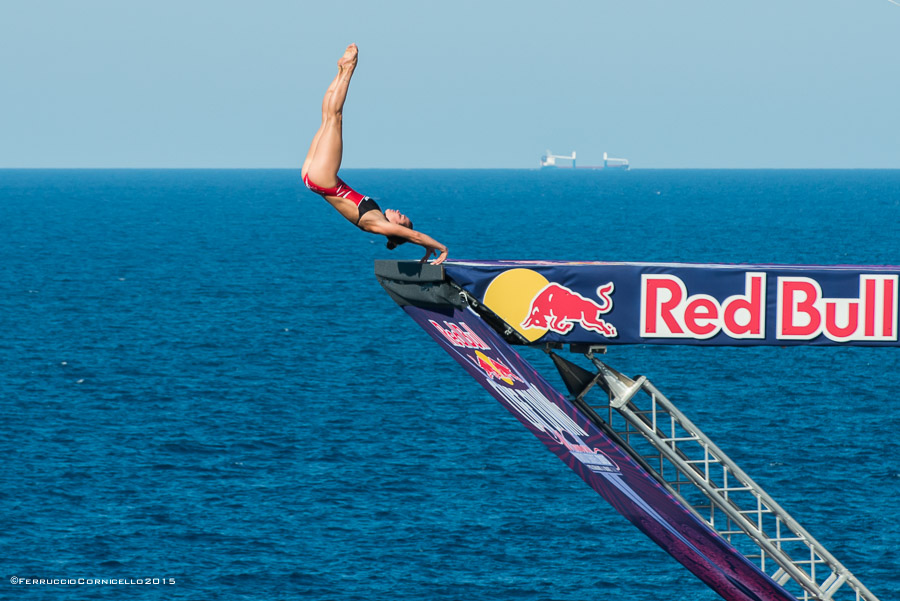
(441, 257)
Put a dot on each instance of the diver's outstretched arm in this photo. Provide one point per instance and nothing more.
(386, 228)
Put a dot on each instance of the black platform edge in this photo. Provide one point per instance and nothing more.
(409, 271)
(419, 284)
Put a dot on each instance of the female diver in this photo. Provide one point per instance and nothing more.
(320, 173)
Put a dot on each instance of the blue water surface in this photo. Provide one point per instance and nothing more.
(201, 380)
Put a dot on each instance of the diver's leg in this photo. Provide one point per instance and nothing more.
(315, 140)
(329, 145)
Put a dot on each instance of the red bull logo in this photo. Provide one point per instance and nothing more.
(558, 309)
(495, 369)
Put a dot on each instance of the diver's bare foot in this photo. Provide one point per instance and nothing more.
(350, 58)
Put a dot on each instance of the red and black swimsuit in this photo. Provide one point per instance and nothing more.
(363, 203)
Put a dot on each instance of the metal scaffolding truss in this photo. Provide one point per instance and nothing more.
(700, 475)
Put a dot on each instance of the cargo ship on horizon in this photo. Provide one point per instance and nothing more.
(549, 161)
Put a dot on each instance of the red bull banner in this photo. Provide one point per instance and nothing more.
(597, 459)
(677, 303)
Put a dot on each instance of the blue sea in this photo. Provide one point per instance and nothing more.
(201, 382)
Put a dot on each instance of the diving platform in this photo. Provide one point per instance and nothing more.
(623, 436)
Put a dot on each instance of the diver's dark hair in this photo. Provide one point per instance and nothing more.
(395, 241)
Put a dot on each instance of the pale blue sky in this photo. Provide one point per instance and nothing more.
(217, 83)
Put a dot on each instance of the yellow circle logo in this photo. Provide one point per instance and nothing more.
(509, 295)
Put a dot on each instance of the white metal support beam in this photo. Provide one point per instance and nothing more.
(717, 490)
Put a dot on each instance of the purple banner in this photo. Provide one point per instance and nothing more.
(674, 303)
(594, 457)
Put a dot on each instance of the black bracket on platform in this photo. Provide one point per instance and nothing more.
(415, 283)
(426, 285)
(587, 349)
